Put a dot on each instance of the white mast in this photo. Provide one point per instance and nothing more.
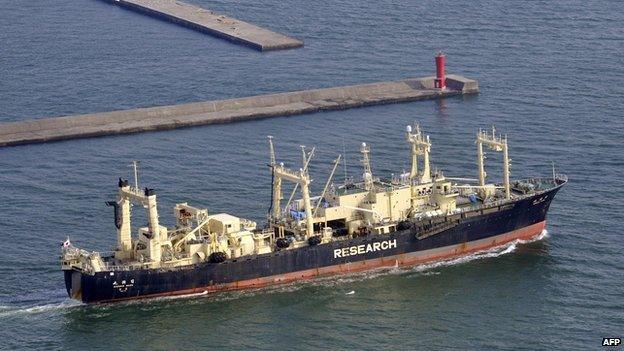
(426, 176)
(303, 156)
(421, 145)
(306, 162)
(553, 172)
(300, 178)
(344, 157)
(368, 174)
(271, 150)
(331, 175)
(495, 143)
(415, 153)
(135, 166)
(277, 182)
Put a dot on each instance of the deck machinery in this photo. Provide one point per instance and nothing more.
(410, 208)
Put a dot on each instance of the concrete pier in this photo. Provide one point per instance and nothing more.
(231, 110)
(212, 23)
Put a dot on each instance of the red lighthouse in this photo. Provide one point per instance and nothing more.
(440, 80)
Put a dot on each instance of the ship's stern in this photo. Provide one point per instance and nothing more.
(73, 283)
(71, 264)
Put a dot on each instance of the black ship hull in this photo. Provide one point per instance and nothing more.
(425, 241)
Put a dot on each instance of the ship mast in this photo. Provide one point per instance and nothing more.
(299, 178)
(155, 232)
(495, 143)
(306, 162)
(329, 179)
(271, 150)
(276, 196)
(420, 145)
(135, 166)
(415, 153)
(368, 174)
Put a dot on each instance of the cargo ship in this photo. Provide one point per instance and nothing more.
(415, 217)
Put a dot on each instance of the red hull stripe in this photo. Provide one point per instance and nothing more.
(406, 259)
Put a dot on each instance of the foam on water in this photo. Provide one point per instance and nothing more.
(11, 311)
(489, 253)
(160, 299)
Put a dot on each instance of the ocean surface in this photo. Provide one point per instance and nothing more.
(552, 78)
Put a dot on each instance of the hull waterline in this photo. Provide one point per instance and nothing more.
(523, 220)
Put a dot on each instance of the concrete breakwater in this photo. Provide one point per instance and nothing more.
(215, 24)
(231, 110)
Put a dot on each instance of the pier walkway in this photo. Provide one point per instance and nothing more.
(212, 23)
(231, 110)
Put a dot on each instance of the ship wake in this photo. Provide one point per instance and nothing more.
(480, 255)
(9, 311)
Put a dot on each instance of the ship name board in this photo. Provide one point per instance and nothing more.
(363, 249)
